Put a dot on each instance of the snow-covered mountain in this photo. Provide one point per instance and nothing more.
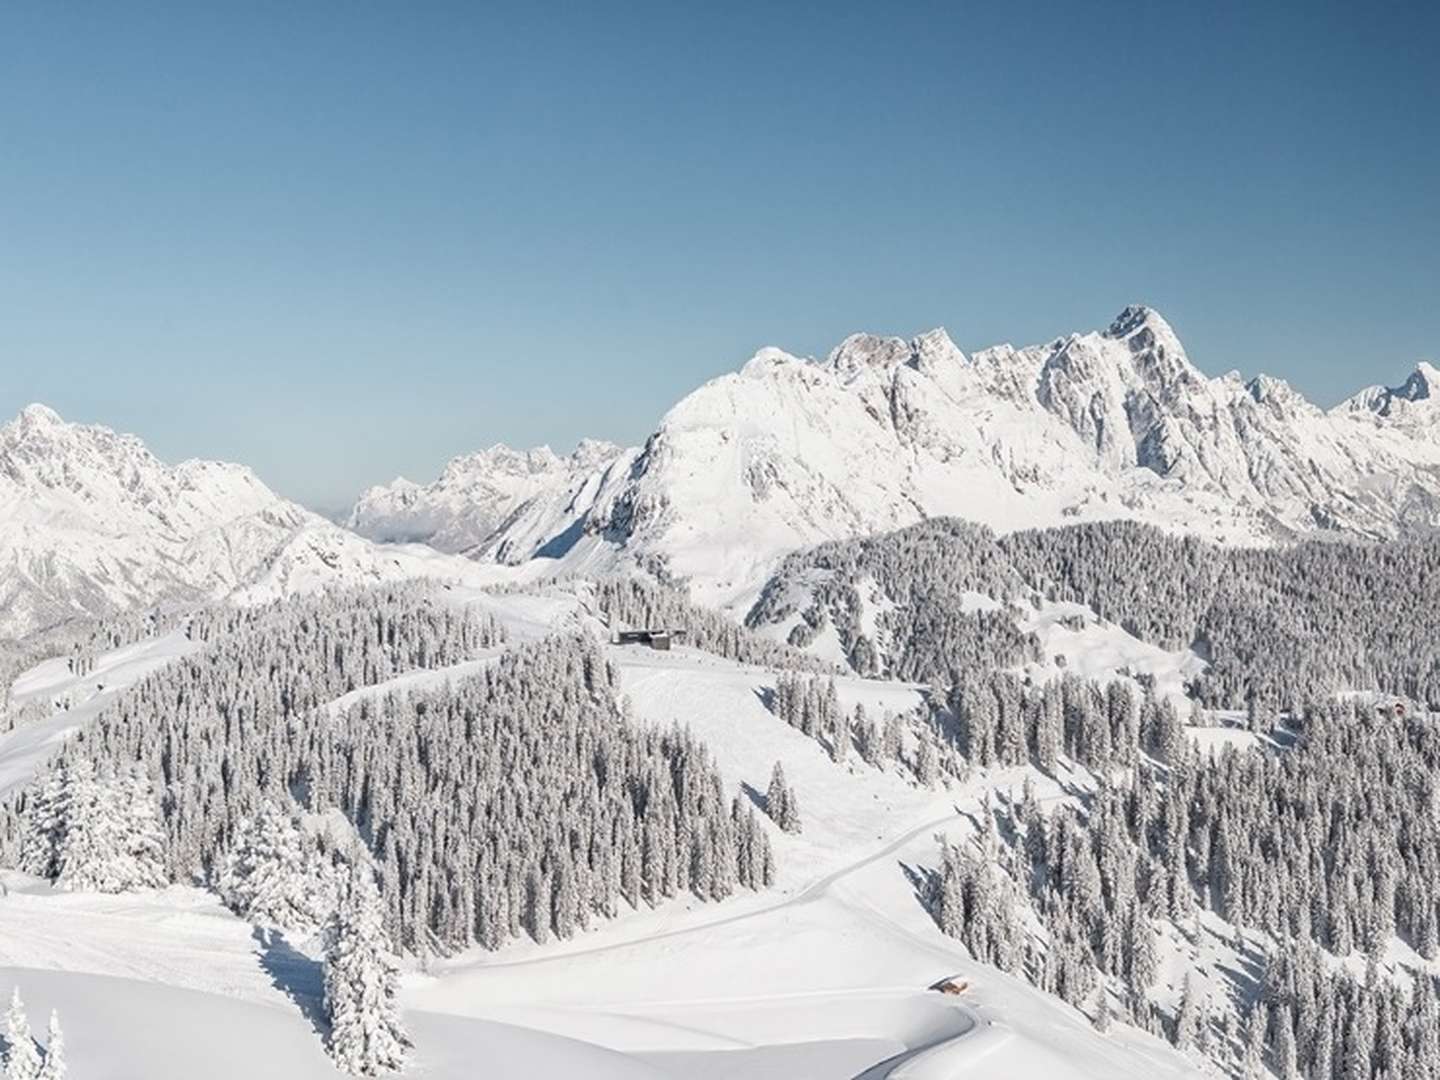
(476, 495)
(1412, 402)
(886, 432)
(92, 522)
(780, 455)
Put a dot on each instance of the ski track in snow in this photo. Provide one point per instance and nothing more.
(181, 941)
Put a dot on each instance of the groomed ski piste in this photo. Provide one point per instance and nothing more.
(824, 975)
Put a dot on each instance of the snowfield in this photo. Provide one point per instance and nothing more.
(824, 975)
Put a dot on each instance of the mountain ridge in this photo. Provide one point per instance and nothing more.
(886, 431)
(91, 522)
(779, 455)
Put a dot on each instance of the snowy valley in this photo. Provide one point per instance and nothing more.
(1057, 711)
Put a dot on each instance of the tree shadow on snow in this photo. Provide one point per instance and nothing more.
(295, 975)
(1244, 980)
(925, 884)
(755, 795)
(970, 816)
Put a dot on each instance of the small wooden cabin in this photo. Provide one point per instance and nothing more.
(656, 639)
(954, 986)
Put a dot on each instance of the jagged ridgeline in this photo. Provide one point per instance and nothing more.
(517, 800)
(1283, 625)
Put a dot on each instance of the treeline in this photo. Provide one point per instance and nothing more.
(80, 641)
(521, 802)
(262, 667)
(1286, 625)
(1335, 841)
(1004, 719)
(997, 719)
(1331, 847)
(1322, 1023)
(323, 647)
(921, 740)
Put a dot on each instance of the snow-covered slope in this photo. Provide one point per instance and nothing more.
(822, 976)
(476, 494)
(886, 432)
(92, 522)
(71, 701)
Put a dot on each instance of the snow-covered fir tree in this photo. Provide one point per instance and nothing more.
(54, 1067)
(22, 1056)
(277, 876)
(94, 831)
(367, 1036)
(781, 802)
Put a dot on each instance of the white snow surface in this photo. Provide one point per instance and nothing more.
(821, 976)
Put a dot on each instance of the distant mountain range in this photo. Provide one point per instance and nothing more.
(780, 455)
(885, 432)
(91, 523)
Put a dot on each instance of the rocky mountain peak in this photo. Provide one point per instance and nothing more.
(861, 351)
(1404, 402)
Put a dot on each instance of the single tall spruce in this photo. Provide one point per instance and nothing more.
(781, 802)
(362, 982)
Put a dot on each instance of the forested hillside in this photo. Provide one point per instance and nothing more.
(517, 800)
(511, 795)
(1329, 848)
(1282, 624)
(1279, 625)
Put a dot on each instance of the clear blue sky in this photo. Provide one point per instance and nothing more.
(344, 241)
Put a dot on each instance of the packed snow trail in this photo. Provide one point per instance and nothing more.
(26, 749)
(932, 1060)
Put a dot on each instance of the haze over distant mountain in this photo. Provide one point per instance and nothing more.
(475, 495)
(780, 455)
(91, 522)
(885, 432)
